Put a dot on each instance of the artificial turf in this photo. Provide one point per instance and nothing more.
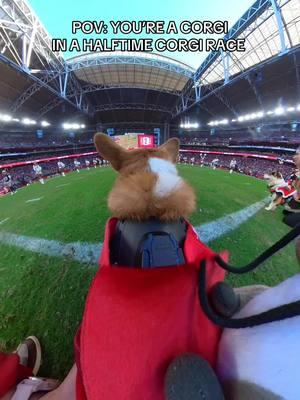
(44, 295)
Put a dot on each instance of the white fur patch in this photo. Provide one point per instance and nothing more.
(168, 179)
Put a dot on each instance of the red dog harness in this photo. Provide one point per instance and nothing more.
(136, 321)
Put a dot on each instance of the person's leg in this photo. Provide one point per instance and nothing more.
(11, 372)
(21, 364)
(66, 390)
(246, 293)
(274, 204)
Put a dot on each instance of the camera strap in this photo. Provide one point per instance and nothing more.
(276, 314)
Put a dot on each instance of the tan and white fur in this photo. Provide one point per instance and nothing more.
(148, 184)
(275, 181)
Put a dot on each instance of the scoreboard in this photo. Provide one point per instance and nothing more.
(135, 141)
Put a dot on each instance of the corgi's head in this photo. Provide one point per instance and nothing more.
(148, 184)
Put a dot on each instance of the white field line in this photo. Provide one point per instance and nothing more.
(34, 200)
(88, 253)
(64, 184)
(215, 229)
(4, 220)
(83, 252)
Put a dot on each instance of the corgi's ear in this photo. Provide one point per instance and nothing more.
(109, 150)
(171, 147)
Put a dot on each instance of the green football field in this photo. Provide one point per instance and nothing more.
(43, 287)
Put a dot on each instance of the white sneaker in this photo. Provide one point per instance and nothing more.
(271, 207)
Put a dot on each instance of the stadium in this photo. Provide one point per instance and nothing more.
(235, 106)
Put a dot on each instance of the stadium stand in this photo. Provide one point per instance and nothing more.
(234, 102)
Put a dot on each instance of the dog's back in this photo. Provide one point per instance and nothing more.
(148, 184)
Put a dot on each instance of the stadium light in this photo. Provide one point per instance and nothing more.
(68, 126)
(224, 121)
(189, 125)
(256, 115)
(5, 117)
(279, 111)
(28, 121)
(45, 124)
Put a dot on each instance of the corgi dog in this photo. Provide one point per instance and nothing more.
(148, 185)
(279, 188)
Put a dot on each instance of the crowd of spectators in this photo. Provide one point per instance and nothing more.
(24, 175)
(33, 148)
(188, 140)
(256, 167)
(15, 142)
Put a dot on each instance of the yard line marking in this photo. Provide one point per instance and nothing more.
(89, 253)
(215, 229)
(34, 200)
(4, 220)
(64, 184)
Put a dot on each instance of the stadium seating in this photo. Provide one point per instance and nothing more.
(31, 149)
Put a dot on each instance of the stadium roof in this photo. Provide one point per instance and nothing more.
(271, 29)
(263, 40)
(133, 70)
(132, 86)
(119, 87)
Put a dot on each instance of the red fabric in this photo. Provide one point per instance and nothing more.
(11, 372)
(286, 191)
(137, 321)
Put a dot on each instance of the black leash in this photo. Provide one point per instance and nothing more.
(276, 314)
(284, 241)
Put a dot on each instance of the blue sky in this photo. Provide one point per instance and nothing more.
(57, 15)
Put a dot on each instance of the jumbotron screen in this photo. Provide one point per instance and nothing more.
(135, 141)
